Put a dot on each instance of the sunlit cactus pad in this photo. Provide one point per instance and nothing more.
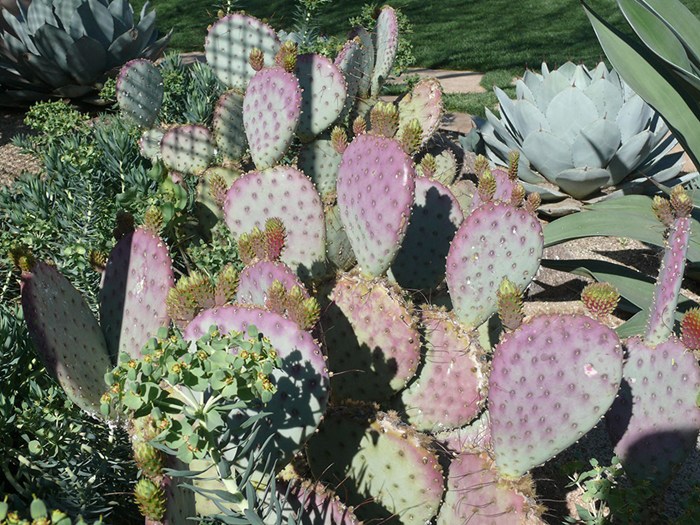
(323, 94)
(302, 383)
(372, 355)
(551, 381)
(386, 39)
(271, 111)
(654, 423)
(476, 495)
(495, 241)
(187, 149)
(227, 123)
(376, 457)
(450, 390)
(435, 218)
(286, 193)
(136, 283)
(375, 195)
(320, 161)
(255, 280)
(67, 337)
(229, 43)
(423, 103)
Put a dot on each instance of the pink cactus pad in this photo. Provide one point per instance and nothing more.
(286, 193)
(375, 196)
(271, 111)
(254, 281)
(450, 390)
(551, 381)
(135, 285)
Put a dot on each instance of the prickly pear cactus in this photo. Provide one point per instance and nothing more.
(551, 381)
(188, 149)
(140, 92)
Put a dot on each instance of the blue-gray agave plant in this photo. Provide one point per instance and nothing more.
(579, 131)
(64, 48)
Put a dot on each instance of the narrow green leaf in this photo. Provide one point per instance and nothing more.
(651, 79)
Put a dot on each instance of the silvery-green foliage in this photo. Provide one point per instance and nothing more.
(64, 48)
(579, 131)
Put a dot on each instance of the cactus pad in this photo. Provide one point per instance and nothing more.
(435, 218)
(286, 193)
(271, 111)
(302, 383)
(375, 195)
(505, 186)
(495, 241)
(423, 103)
(386, 42)
(380, 458)
(66, 335)
(315, 504)
(149, 143)
(229, 43)
(338, 247)
(135, 285)
(551, 381)
(187, 149)
(255, 280)
(227, 123)
(476, 495)
(319, 161)
(372, 356)
(450, 390)
(140, 92)
(323, 94)
(349, 61)
(654, 423)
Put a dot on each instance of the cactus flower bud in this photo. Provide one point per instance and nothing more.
(600, 299)
(690, 329)
(256, 59)
(481, 164)
(510, 304)
(150, 498)
(359, 126)
(411, 136)
(487, 186)
(286, 57)
(662, 210)
(428, 165)
(681, 202)
(339, 139)
(384, 119)
(532, 202)
(513, 159)
(275, 238)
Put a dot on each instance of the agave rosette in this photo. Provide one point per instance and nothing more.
(64, 48)
(579, 131)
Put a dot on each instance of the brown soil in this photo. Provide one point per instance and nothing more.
(12, 161)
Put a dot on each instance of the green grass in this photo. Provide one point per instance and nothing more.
(481, 35)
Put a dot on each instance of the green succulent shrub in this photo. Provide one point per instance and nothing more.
(579, 131)
(57, 48)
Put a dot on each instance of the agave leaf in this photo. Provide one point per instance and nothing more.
(523, 92)
(600, 71)
(630, 155)
(568, 69)
(87, 60)
(64, 10)
(84, 23)
(581, 182)
(649, 77)
(121, 10)
(40, 12)
(570, 111)
(548, 154)
(20, 30)
(526, 118)
(633, 117)
(581, 78)
(532, 80)
(680, 20)
(155, 50)
(606, 96)
(552, 85)
(53, 44)
(103, 18)
(46, 70)
(596, 144)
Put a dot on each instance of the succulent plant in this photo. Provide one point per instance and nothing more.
(56, 48)
(579, 131)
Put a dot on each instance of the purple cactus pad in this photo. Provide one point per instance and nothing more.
(255, 280)
(552, 380)
(375, 196)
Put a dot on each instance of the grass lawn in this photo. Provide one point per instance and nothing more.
(481, 35)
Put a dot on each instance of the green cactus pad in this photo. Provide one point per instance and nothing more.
(319, 161)
(495, 241)
(227, 123)
(551, 381)
(140, 92)
(323, 94)
(66, 335)
(286, 193)
(149, 143)
(206, 208)
(423, 103)
(386, 42)
(135, 285)
(338, 247)
(375, 195)
(379, 462)
(435, 218)
(372, 356)
(229, 43)
(349, 61)
(302, 382)
(271, 112)
(366, 62)
(450, 389)
(187, 149)
(446, 168)
(476, 495)
(654, 423)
